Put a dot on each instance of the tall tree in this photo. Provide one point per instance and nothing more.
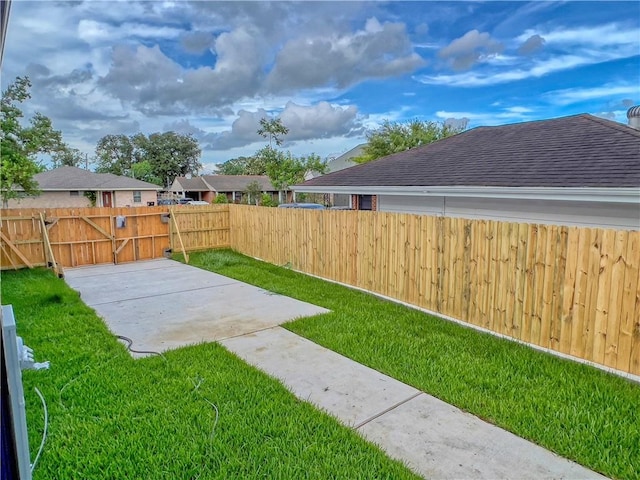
(253, 192)
(171, 155)
(273, 130)
(144, 171)
(242, 166)
(114, 154)
(393, 137)
(285, 169)
(20, 145)
(71, 157)
(158, 158)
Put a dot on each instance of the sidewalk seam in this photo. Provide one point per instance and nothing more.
(162, 294)
(387, 410)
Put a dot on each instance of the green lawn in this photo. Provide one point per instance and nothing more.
(574, 410)
(112, 417)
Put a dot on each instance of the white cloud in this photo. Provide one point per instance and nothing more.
(506, 115)
(342, 59)
(305, 122)
(611, 34)
(565, 49)
(538, 68)
(576, 95)
(93, 31)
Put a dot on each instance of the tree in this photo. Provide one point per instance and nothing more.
(252, 192)
(272, 129)
(395, 137)
(242, 166)
(144, 171)
(21, 145)
(285, 170)
(157, 159)
(234, 166)
(114, 154)
(170, 154)
(71, 157)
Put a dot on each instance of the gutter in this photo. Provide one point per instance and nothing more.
(579, 194)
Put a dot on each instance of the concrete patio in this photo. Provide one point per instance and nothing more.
(162, 304)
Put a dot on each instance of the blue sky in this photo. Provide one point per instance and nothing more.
(330, 70)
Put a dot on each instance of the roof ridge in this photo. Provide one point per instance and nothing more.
(620, 127)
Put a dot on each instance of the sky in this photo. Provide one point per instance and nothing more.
(331, 71)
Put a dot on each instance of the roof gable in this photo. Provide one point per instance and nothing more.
(194, 184)
(346, 159)
(575, 151)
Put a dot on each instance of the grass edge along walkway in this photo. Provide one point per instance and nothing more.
(577, 411)
(198, 412)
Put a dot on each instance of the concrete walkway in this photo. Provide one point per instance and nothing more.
(163, 304)
(433, 438)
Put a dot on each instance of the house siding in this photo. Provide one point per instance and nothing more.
(124, 198)
(411, 204)
(51, 200)
(592, 214)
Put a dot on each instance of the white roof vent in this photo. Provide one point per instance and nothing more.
(633, 114)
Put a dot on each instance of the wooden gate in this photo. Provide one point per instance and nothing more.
(81, 236)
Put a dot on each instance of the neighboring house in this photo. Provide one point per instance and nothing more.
(207, 187)
(340, 163)
(577, 170)
(346, 159)
(66, 187)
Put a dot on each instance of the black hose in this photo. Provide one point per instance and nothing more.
(142, 352)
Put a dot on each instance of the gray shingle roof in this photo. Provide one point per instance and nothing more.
(238, 183)
(194, 184)
(575, 151)
(73, 178)
(224, 183)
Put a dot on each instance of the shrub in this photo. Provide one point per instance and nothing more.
(267, 201)
(221, 198)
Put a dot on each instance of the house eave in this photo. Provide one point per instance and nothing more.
(578, 194)
(100, 189)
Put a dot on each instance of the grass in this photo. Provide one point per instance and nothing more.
(577, 411)
(113, 417)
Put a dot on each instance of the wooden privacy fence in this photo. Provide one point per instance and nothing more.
(81, 236)
(199, 227)
(571, 289)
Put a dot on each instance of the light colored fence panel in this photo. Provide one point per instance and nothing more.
(83, 236)
(570, 289)
(200, 227)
